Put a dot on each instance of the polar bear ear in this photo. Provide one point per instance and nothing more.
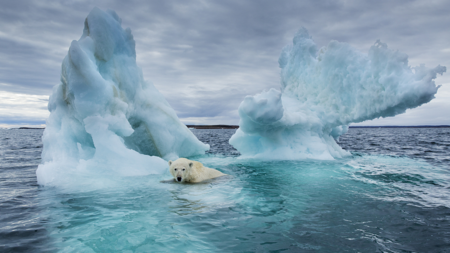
(170, 163)
(190, 164)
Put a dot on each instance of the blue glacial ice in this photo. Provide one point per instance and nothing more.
(322, 92)
(105, 119)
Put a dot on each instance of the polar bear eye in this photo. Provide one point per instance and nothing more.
(184, 169)
(175, 169)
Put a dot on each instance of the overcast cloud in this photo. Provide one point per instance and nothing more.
(206, 56)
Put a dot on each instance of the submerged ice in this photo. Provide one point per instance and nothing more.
(104, 117)
(322, 92)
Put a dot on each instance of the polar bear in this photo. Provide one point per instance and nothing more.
(187, 171)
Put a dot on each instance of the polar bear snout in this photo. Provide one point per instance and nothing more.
(180, 175)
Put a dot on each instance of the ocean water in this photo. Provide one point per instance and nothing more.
(391, 195)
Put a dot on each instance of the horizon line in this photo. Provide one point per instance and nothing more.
(223, 126)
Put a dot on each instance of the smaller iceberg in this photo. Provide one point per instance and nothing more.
(322, 92)
(104, 118)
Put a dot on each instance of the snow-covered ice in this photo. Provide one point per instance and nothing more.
(322, 92)
(105, 119)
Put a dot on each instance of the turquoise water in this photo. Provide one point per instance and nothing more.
(378, 200)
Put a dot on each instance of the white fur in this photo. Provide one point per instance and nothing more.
(192, 171)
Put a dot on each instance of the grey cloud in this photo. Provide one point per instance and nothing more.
(214, 103)
(21, 121)
(205, 56)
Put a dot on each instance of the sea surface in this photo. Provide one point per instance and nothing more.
(391, 195)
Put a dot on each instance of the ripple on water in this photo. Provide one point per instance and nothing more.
(389, 197)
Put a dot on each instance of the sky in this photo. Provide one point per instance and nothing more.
(206, 56)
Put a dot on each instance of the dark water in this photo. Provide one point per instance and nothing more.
(429, 144)
(21, 226)
(392, 195)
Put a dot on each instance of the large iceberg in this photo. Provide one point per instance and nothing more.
(105, 119)
(322, 92)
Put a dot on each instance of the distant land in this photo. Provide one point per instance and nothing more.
(236, 127)
(424, 126)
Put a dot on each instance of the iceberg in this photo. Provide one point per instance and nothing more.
(104, 118)
(322, 92)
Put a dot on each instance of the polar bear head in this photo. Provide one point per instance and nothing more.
(180, 169)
